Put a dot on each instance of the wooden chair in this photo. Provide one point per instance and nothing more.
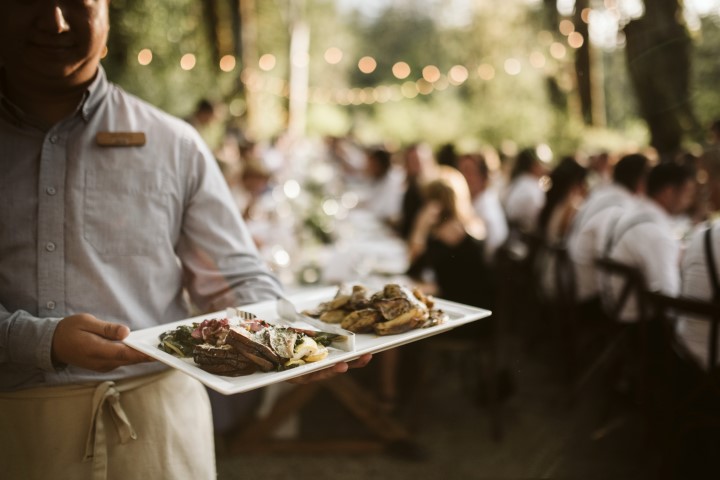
(622, 339)
(514, 262)
(697, 406)
(565, 310)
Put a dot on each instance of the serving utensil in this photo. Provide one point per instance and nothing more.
(339, 338)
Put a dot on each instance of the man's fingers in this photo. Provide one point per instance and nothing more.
(114, 331)
(360, 362)
(126, 355)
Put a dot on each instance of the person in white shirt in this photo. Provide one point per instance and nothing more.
(695, 268)
(385, 193)
(642, 237)
(486, 201)
(524, 197)
(605, 202)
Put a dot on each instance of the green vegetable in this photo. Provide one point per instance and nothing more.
(179, 342)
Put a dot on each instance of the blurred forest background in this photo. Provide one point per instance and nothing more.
(572, 74)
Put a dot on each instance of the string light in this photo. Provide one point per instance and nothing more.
(566, 27)
(145, 56)
(227, 63)
(432, 79)
(486, 72)
(367, 65)
(188, 61)
(267, 62)
(333, 55)
(512, 66)
(458, 75)
(431, 73)
(558, 50)
(575, 40)
(537, 59)
(401, 70)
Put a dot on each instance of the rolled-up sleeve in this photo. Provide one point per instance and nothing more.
(26, 340)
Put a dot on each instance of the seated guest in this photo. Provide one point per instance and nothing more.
(696, 266)
(524, 198)
(448, 240)
(420, 168)
(485, 200)
(642, 237)
(384, 196)
(562, 201)
(603, 203)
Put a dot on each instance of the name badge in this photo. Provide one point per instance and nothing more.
(120, 139)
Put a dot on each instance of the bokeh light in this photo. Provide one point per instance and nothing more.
(575, 40)
(512, 66)
(537, 59)
(558, 50)
(145, 56)
(566, 27)
(486, 72)
(431, 73)
(367, 64)
(188, 61)
(227, 63)
(267, 62)
(401, 70)
(458, 75)
(333, 55)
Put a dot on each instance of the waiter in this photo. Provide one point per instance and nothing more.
(111, 210)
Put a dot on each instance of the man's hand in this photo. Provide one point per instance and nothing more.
(330, 372)
(88, 342)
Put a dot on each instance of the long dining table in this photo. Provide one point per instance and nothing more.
(366, 251)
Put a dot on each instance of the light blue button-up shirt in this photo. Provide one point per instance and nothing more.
(118, 232)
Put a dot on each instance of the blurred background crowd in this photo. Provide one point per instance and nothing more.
(488, 155)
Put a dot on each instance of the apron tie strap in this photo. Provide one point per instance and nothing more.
(96, 443)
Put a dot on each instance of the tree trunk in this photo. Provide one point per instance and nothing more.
(248, 41)
(658, 58)
(589, 83)
(210, 16)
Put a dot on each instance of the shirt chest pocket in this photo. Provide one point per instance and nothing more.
(124, 212)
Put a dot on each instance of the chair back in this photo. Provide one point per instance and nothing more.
(668, 308)
(632, 281)
(565, 282)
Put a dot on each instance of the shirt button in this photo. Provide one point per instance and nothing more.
(50, 305)
(50, 247)
(54, 139)
(50, 190)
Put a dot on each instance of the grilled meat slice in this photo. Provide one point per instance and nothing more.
(223, 360)
(262, 363)
(229, 370)
(243, 341)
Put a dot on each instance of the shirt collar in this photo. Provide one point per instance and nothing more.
(92, 98)
(655, 209)
(95, 94)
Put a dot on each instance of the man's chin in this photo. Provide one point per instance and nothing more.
(63, 74)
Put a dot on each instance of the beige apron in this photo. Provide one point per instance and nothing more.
(154, 427)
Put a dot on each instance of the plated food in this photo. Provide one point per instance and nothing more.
(244, 346)
(394, 309)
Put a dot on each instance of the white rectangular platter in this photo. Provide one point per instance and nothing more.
(146, 341)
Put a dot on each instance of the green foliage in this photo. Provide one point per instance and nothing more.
(706, 72)
(170, 29)
(538, 105)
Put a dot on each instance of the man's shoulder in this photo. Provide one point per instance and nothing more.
(148, 116)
